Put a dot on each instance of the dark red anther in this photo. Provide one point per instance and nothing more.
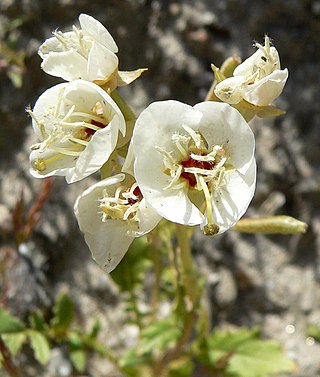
(191, 163)
(137, 193)
(90, 131)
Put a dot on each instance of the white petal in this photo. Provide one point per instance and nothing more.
(47, 98)
(101, 63)
(173, 205)
(97, 31)
(233, 199)
(154, 128)
(54, 45)
(97, 152)
(230, 89)
(83, 95)
(60, 165)
(69, 65)
(158, 122)
(86, 94)
(148, 219)
(249, 66)
(110, 246)
(266, 90)
(127, 166)
(107, 241)
(221, 124)
(87, 204)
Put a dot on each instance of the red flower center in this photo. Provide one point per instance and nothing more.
(90, 131)
(192, 163)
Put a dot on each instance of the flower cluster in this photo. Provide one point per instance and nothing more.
(259, 80)
(188, 165)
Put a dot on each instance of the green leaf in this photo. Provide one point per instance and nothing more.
(37, 321)
(243, 354)
(314, 331)
(159, 335)
(63, 313)
(79, 360)
(9, 323)
(40, 346)
(260, 358)
(95, 329)
(132, 359)
(131, 271)
(182, 367)
(14, 341)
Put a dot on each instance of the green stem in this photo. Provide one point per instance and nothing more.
(7, 362)
(157, 265)
(129, 117)
(191, 294)
(188, 271)
(124, 107)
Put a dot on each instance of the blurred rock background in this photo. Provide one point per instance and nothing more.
(270, 281)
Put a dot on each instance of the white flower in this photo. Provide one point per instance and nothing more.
(78, 125)
(259, 80)
(86, 53)
(195, 160)
(111, 214)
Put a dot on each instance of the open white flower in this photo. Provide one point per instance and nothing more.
(111, 213)
(259, 80)
(78, 125)
(86, 53)
(195, 165)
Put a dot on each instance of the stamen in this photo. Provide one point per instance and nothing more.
(175, 179)
(39, 123)
(196, 137)
(61, 38)
(58, 104)
(41, 164)
(90, 116)
(207, 199)
(66, 151)
(123, 209)
(79, 141)
(177, 140)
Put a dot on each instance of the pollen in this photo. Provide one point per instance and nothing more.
(123, 205)
(39, 164)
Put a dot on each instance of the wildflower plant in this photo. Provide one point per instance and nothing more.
(171, 169)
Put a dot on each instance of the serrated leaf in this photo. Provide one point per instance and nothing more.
(14, 342)
(159, 335)
(130, 272)
(79, 360)
(40, 346)
(242, 353)
(9, 323)
(63, 313)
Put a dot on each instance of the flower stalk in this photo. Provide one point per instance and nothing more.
(272, 225)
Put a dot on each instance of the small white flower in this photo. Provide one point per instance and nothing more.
(111, 214)
(259, 80)
(86, 53)
(78, 125)
(195, 165)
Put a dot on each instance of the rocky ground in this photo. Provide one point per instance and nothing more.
(270, 281)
